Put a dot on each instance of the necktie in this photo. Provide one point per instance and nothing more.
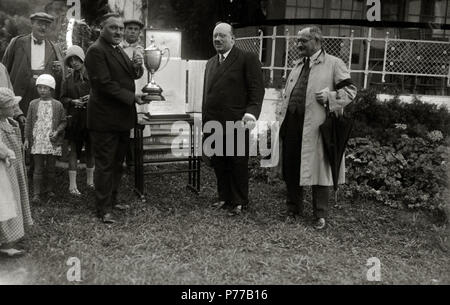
(306, 61)
(221, 59)
(117, 49)
(38, 42)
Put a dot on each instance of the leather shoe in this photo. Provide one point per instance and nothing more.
(121, 207)
(218, 204)
(294, 213)
(36, 199)
(320, 224)
(237, 210)
(294, 209)
(291, 214)
(119, 204)
(108, 218)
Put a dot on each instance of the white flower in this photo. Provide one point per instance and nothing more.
(435, 135)
(400, 126)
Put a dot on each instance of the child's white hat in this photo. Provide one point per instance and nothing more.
(46, 80)
(8, 98)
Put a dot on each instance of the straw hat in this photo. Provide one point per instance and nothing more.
(8, 98)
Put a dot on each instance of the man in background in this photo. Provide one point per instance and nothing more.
(28, 56)
(132, 46)
(131, 42)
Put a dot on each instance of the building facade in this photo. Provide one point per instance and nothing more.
(373, 53)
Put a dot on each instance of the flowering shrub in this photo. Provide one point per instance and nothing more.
(373, 118)
(399, 153)
(412, 172)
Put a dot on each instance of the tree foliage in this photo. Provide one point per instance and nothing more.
(16, 7)
(91, 10)
(196, 19)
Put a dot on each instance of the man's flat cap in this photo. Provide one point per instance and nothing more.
(42, 16)
(133, 21)
(106, 16)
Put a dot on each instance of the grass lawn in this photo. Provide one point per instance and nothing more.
(176, 238)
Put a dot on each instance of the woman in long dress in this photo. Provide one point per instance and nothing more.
(15, 214)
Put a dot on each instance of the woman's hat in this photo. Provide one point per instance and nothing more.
(46, 80)
(74, 51)
(8, 98)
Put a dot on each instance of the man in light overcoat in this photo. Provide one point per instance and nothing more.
(318, 79)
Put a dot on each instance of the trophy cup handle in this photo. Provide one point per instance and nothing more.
(168, 57)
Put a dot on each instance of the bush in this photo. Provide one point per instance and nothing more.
(398, 153)
(412, 172)
(372, 117)
(11, 26)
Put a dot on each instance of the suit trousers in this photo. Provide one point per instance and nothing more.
(291, 133)
(232, 172)
(109, 152)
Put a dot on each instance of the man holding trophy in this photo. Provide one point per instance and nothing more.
(111, 112)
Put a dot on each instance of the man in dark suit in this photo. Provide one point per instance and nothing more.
(233, 92)
(111, 110)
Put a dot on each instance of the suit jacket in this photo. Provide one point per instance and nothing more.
(111, 74)
(233, 88)
(17, 59)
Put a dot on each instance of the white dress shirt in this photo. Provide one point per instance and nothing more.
(314, 57)
(130, 48)
(225, 55)
(37, 55)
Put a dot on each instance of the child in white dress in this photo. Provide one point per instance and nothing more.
(44, 134)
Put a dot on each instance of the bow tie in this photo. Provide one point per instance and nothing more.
(38, 42)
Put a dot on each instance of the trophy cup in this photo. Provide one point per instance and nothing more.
(152, 60)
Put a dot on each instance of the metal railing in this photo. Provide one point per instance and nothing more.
(400, 56)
